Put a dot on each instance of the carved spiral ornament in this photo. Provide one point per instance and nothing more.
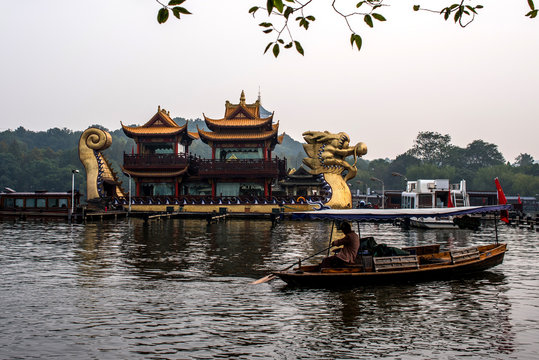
(97, 139)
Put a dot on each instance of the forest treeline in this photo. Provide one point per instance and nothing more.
(43, 160)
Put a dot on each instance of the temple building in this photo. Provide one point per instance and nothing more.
(161, 160)
(242, 143)
(300, 183)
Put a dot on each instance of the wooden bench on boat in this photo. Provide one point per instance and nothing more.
(391, 263)
(461, 255)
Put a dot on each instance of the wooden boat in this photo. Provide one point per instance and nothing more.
(422, 263)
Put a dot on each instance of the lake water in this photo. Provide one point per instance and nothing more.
(181, 289)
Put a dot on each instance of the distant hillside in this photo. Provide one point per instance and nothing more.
(43, 160)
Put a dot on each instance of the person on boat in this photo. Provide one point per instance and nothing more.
(348, 253)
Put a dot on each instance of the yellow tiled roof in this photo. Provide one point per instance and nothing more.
(241, 122)
(156, 130)
(220, 136)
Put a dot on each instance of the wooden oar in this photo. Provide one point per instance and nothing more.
(271, 276)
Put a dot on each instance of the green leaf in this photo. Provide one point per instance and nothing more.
(253, 10)
(471, 9)
(310, 17)
(378, 17)
(447, 13)
(416, 7)
(265, 24)
(269, 5)
(356, 39)
(267, 47)
(279, 5)
(534, 14)
(162, 15)
(458, 14)
(360, 3)
(454, 6)
(532, 6)
(479, 7)
(181, 10)
(176, 12)
(175, 2)
(267, 31)
(276, 50)
(368, 20)
(289, 10)
(288, 46)
(281, 41)
(299, 48)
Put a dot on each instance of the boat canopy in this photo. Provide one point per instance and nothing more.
(393, 214)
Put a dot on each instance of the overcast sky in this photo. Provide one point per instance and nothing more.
(71, 63)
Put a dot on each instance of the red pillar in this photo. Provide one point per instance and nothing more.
(213, 188)
(138, 188)
(138, 148)
(266, 192)
(265, 154)
(176, 148)
(176, 193)
(213, 153)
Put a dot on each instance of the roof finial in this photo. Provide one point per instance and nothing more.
(242, 98)
(259, 96)
(158, 108)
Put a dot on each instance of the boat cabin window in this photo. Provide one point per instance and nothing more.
(53, 203)
(19, 203)
(408, 202)
(9, 202)
(30, 202)
(41, 203)
(424, 201)
(441, 199)
(62, 203)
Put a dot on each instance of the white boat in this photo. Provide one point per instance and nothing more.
(432, 194)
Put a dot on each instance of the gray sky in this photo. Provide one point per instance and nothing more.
(77, 63)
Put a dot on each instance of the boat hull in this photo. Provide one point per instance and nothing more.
(433, 224)
(487, 260)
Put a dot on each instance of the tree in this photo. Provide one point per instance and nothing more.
(287, 11)
(431, 147)
(480, 154)
(523, 160)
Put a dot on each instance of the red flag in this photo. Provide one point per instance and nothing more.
(449, 201)
(504, 215)
(520, 202)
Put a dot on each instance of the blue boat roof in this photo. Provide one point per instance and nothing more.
(393, 214)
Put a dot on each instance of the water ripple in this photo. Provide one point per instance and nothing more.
(180, 289)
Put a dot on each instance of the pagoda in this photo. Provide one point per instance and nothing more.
(242, 143)
(162, 155)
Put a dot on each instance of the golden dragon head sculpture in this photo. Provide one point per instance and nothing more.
(327, 154)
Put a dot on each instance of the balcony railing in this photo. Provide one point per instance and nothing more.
(232, 168)
(154, 161)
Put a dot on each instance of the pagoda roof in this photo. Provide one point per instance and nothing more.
(160, 124)
(238, 123)
(241, 136)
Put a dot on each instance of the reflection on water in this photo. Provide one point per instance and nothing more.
(180, 289)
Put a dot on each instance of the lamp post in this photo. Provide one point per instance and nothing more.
(73, 172)
(399, 174)
(129, 209)
(383, 190)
